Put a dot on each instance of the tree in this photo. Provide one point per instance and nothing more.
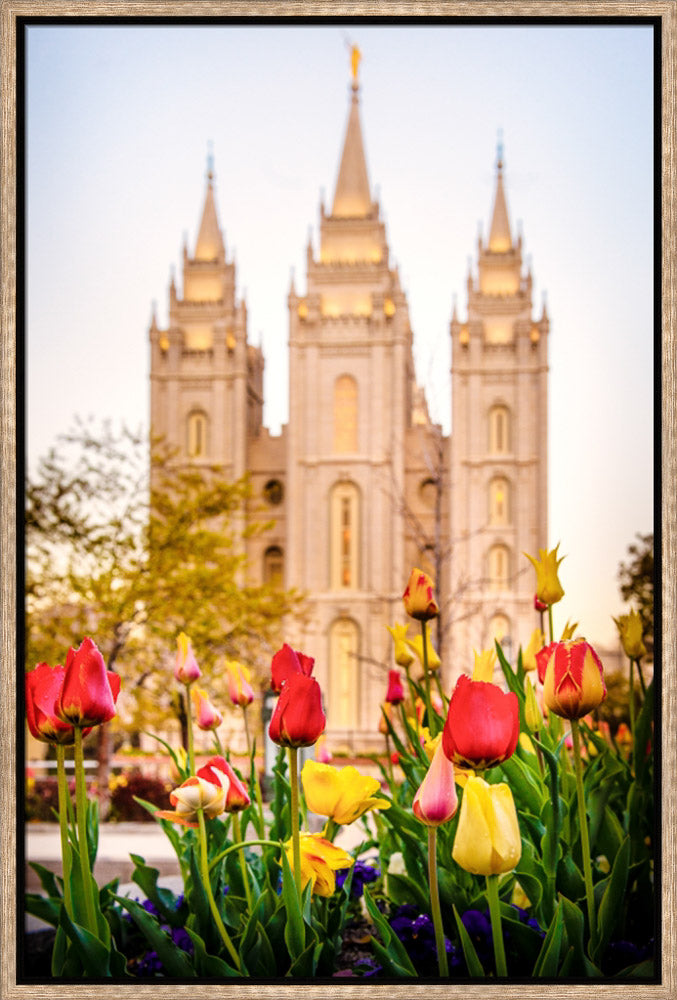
(636, 577)
(133, 559)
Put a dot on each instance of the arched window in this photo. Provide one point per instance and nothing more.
(273, 566)
(197, 434)
(499, 430)
(499, 567)
(345, 414)
(343, 691)
(344, 517)
(499, 511)
(499, 627)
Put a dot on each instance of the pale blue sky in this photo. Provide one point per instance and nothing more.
(117, 129)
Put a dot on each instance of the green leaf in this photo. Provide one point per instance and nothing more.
(44, 907)
(49, 881)
(294, 932)
(547, 962)
(176, 962)
(59, 952)
(473, 963)
(391, 966)
(610, 908)
(642, 734)
(210, 965)
(402, 889)
(92, 952)
(303, 965)
(165, 900)
(527, 790)
(183, 773)
(391, 941)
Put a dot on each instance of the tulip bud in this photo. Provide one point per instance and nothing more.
(239, 688)
(574, 679)
(548, 588)
(487, 837)
(286, 663)
(529, 654)
(208, 717)
(532, 713)
(43, 687)
(418, 598)
(539, 605)
(482, 724)
(395, 693)
(322, 754)
(403, 657)
(89, 691)
(298, 719)
(435, 801)
(386, 713)
(186, 669)
(631, 630)
(237, 797)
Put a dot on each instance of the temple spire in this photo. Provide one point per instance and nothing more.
(500, 239)
(352, 197)
(209, 245)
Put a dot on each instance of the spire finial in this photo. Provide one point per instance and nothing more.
(499, 150)
(210, 160)
(355, 57)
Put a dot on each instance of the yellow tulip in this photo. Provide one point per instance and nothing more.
(342, 795)
(484, 665)
(402, 655)
(548, 588)
(630, 630)
(319, 860)
(487, 838)
(430, 745)
(536, 643)
(417, 645)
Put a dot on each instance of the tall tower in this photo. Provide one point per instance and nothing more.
(352, 395)
(498, 444)
(206, 381)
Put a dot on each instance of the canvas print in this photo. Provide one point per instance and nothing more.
(339, 562)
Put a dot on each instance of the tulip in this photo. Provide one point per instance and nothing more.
(536, 642)
(430, 744)
(574, 679)
(630, 630)
(403, 657)
(208, 717)
(482, 724)
(322, 753)
(298, 719)
(286, 663)
(43, 686)
(237, 797)
(395, 694)
(435, 801)
(542, 657)
(485, 663)
(548, 588)
(193, 795)
(539, 605)
(186, 669)
(342, 795)
(419, 600)
(532, 713)
(240, 690)
(416, 645)
(386, 714)
(487, 838)
(319, 859)
(89, 691)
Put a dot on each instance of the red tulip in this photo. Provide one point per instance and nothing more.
(539, 605)
(89, 691)
(542, 657)
(419, 597)
(286, 663)
(482, 724)
(395, 693)
(574, 679)
(237, 797)
(43, 686)
(298, 719)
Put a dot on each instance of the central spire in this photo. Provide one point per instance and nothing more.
(500, 239)
(209, 245)
(352, 198)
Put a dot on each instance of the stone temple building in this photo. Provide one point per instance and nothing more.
(360, 484)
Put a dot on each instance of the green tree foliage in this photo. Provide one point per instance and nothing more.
(636, 577)
(133, 559)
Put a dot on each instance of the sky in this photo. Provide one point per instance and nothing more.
(120, 120)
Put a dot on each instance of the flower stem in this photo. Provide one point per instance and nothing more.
(295, 834)
(641, 678)
(237, 836)
(585, 839)
(432, 720)
(496, 927)
(245, 843)
(631, 703)
(81, 812)
(204, 872)
(189, 727)
(246, 731)
(66, 854)
(435, 902)
(552, 627)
